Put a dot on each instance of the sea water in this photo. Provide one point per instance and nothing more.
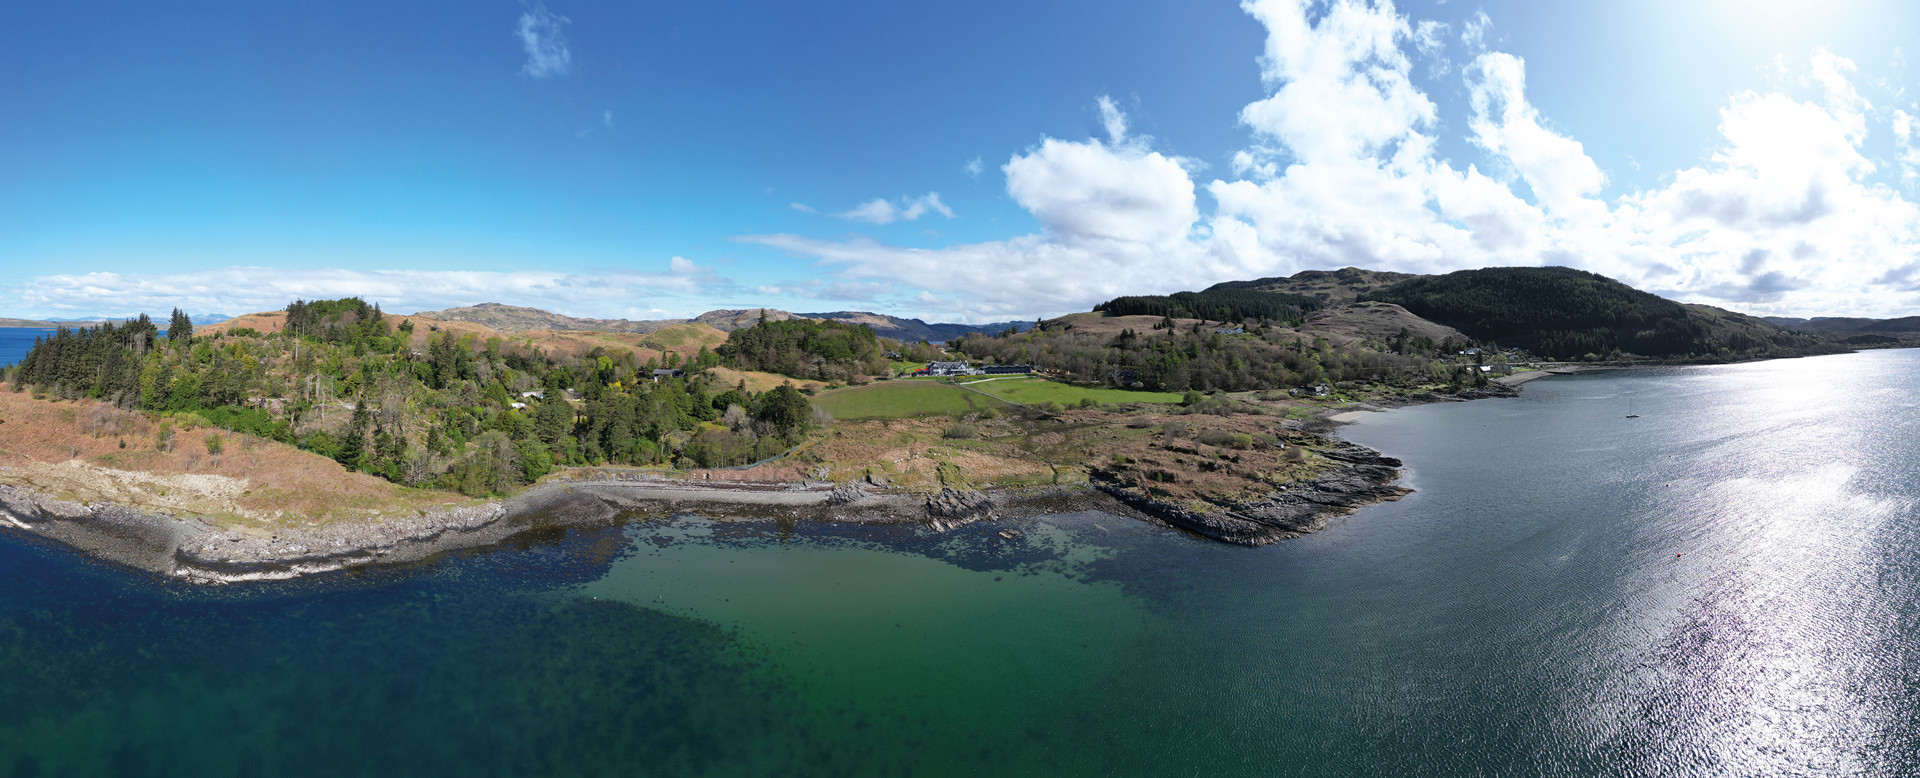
(1727, 584)
(15, 342)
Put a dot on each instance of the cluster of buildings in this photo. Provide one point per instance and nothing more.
(962, 368)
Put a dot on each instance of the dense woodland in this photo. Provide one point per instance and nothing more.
(1553, 311)
(1197, 357)
(808, 348)
(429, 409)
(1562, 313)
(1216, 304)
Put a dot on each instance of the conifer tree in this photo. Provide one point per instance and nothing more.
(180, 329)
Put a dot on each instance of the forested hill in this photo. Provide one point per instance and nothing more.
(1570, 314)
(1327, 287)
(1215, 304)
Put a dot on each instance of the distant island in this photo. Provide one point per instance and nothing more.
(331, 434)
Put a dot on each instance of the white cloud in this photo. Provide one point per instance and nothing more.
(237, 290)
(543, 36)
(606, 119)
(1474, 33)
(1092, 191)
(880, 210)
(802, 207)
(1430, 39)
(1341, 169)
(973, 167)
(1113, 120)
(831, 290)
(1555, 167)
(1904, 126)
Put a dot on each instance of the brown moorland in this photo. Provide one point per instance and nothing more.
(92, 451)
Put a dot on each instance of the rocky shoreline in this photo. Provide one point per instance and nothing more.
(191, 550)
(1358, 477)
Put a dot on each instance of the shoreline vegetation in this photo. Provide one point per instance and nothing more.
(194, 548)
(332, 435)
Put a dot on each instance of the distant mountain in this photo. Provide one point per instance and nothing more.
(730, 320)
(514, 318)
(1555, 312)
(1841, 325)
(199, 320)
(915, 330)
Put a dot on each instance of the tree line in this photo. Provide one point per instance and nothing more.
(450, 412)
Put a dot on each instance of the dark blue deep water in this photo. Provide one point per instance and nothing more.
(16, 341)
(1727, 585)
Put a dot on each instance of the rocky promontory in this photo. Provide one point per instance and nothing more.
(1356, 476)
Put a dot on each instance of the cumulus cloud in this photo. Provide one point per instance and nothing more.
(973, 167)
(880, 210)
(543, 36)
(237, 290)
(1554, 166)
(1781, 216)
(1474, 33)
(1904, 126)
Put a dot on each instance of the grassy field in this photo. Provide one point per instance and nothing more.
(901, 400)
(1039, 390)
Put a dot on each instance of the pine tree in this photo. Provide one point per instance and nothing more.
(353, 447)
(180, 329)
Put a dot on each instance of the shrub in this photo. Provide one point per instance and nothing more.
(961, 431)
(1214, 437)
(215, 446)
(1089, 402)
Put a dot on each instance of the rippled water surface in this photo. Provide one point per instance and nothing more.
(1726, 585)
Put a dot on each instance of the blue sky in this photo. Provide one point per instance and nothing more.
(974, 162)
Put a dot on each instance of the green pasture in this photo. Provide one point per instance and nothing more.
(900, 400)
(1027, 391)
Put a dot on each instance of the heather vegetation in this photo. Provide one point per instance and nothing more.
(428, 409)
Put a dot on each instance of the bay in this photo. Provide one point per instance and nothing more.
(1728, 584)
(15, 342)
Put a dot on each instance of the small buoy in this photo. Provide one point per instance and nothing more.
(1676, 553)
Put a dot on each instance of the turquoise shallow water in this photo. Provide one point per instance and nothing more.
(1523, 613)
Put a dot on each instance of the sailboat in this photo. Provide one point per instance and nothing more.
(1630, 413)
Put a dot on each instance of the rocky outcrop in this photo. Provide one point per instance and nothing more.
(1360, 476)
(957, 508)
(846, 493)
(234, 556)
